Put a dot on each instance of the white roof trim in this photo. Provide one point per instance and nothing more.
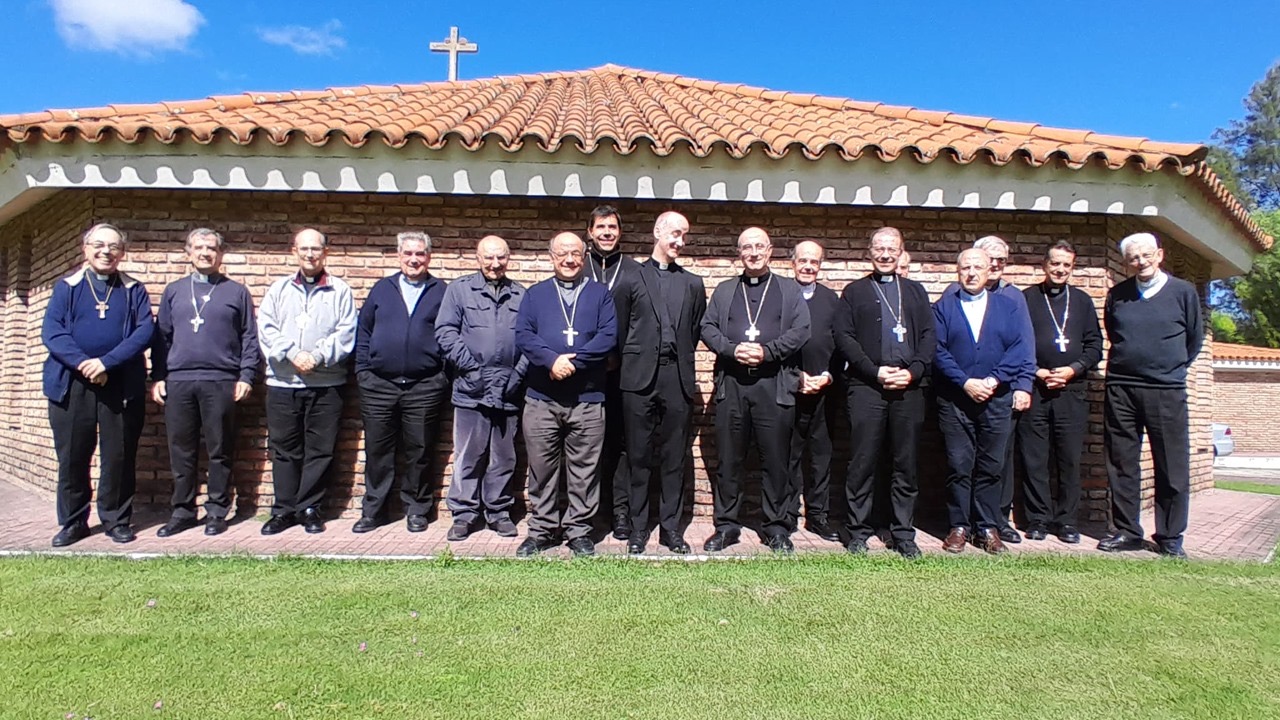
(1247, 365)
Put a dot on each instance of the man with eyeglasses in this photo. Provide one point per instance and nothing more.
(1156, 330)
(608, 266)
(567, 328)
(204, 362)
(755, 324)
(307, 329)
(96, 328)
(402, 383)
(885, 330)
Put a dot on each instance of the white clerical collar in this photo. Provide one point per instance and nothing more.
(966, 297)
(201, 277)
(886, 277)
(808, 290)
(100, 276)
(570, 284)
(1054, 290)
(756, 280)
(1152, 286)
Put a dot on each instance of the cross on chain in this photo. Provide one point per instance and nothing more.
(900, 332)
(570, 334)
(752, 333)
(1062, 342)
(196, 322)
(102, 309)
(454, 45)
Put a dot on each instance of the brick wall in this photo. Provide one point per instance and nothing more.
(1238, 395)
(41, 246)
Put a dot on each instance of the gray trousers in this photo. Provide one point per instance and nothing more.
(563, 438)
(484, 460)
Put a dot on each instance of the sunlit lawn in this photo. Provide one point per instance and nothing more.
(1246, 486)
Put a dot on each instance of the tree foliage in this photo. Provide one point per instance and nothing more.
(1224, 328)
(1254, 142)
(1259, 291)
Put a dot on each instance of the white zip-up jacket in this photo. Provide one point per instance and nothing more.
(322, 322)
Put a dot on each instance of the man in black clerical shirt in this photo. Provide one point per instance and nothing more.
(204, 361)
(659, 310)
(1068, 345)
(1153, 321)
(885, 331)
(819, 365)
(608, 266)
(755, 324)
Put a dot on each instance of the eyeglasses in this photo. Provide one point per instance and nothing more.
(756, 247)
(999, 261)
(575, 254)
(879, 250)
(1146, 257)
(113, 248)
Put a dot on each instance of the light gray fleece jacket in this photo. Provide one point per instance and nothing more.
(320, 320)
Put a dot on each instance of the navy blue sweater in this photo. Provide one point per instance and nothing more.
(540, 335)
(1153, 340)
(225, 347)
(73, 332)
(394, 344)
(1002, 351)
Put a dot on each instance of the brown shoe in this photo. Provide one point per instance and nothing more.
(956, 540)
(989, 540)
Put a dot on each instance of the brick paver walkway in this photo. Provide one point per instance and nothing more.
(1224, 525)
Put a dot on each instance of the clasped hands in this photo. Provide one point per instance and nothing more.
(894, 378)
(813, 384)
(1056, 378)
(563, 367)
(93, 370)
(749, 353)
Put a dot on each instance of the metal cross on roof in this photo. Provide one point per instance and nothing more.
(453, 46)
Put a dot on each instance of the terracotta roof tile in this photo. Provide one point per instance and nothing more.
(623, 109)
(1247, 353)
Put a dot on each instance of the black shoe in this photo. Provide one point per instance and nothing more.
(175, 526)
(71, 533)
(621, 526)
(720, 540)
(458, 531)
(637, 543)
(674, 542)
(532, 546)
(822, 530)
(214, 526)
(503, 527)
(279, 523)
(907, 549)
(122, 534)
(1037, 532)
(1069, 535)
(365, 524)
(1009, 535)
(582, 547)
(1171, 549)
(780, 543)
(857, 546)
(312, 522)
(415, 523)
(1119, 542)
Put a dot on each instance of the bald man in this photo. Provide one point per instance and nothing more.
(755, 324)
(476, 331)
(567, 328)
(660, 310)
(307, 328)
(819, 366)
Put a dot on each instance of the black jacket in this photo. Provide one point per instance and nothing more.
(784, 350)
(640, 329)
(819, 354)
(858, 329)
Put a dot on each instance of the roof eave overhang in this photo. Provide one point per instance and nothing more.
(1170, 202)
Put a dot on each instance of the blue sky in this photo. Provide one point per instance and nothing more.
(1169, 70)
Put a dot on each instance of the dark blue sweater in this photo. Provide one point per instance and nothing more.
(1002, 350)
(225, 347)
(73, 332)
(540, 335)
(394, 344)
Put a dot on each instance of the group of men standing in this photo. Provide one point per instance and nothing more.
(596, 366)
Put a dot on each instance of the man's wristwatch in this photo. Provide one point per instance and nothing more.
(991, 382)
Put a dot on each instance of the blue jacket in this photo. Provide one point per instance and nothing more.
(1002, 351)
(394, 344)
(66, 319)
(540, 335)
(476, 330)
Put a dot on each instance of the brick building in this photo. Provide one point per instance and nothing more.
(1246, 386)
(526, 156)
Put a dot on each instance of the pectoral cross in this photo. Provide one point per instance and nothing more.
(1062, 342)
(196, 322)
(102, 309)
(900, 332)
(752, 333)
(570, 334)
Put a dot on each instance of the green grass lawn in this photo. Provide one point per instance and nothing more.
(816, 637)
(1246, 486)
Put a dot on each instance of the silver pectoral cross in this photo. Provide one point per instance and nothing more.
(900, 332)
(102, 309)
(196, 322)
(1062, 342)
(569, 335)
(752, 333)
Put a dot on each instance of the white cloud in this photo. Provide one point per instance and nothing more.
(137, 27)
(303, 40)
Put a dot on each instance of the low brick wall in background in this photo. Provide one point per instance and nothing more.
(1244, 399)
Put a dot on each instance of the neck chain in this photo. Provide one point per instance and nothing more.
(569, 315)
(1062, 341)
(752, 331)
(604, 272)
(100, 304)
(198, 309)
(899, 330)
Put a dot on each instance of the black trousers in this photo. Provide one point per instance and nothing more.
(976, 436)
(1056, 423)
(195, 408)
(92, 416)
(612, 472)
(749, 415)
(400, 418)
(811, 441)
(658, 414)
(1162, 413)
(302, 426)
(1007, 485)
(877, 415)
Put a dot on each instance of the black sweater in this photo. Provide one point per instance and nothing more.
(1153, 340)
(1084, 335)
